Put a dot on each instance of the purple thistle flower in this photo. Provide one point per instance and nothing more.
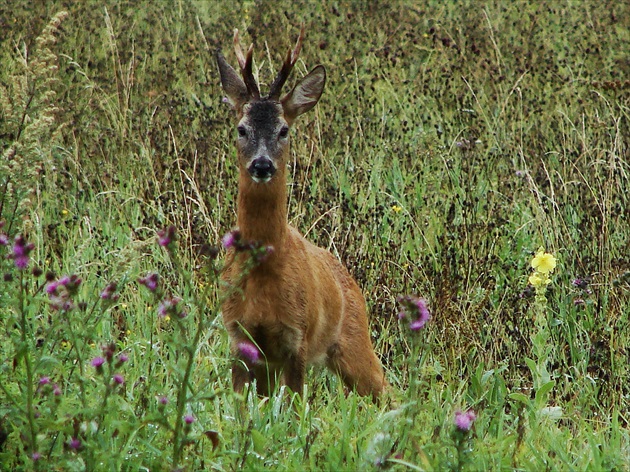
(108, 351)
(4, 239)
(150, 281)
(36, 456)
(263, 253)
(123, 358)
(188, 421)
(581, 283)
(163, 308)
(51, 288)
(249, 351)
(21, 247)
(169, 307)
(97, 363)
(74, 443)
(166, 236)
(61, 290)
(21, 261)
(108, 291)
(415, 325)
(64, 280)
(56, 390)
(67, 305)
(71, 283)
(415, 309)
(162, 402)
(423, 312)
(44, 380)
(231, 239)
(464, 420)
(119, 379)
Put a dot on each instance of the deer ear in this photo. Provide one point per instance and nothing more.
(232, 84)
(305, 94)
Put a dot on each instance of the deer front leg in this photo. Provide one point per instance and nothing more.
(243, 373)
(294, 372)
(240, 375)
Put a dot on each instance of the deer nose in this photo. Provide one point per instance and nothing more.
(261, 169)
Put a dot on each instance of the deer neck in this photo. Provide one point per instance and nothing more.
(262, 209)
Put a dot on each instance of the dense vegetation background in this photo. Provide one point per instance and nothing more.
(452, 141)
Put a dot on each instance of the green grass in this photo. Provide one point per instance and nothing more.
(452, 141)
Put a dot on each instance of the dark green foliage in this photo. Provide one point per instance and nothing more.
(452, 141)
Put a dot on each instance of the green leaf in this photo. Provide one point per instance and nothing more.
(532, 366)
(541, 393)
(519, 397)
(48, 363)
(259, 440)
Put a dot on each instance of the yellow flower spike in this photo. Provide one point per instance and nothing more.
(539, 280)
(396, 209)
(543, 262)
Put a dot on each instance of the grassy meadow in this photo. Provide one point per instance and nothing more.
(453, 140)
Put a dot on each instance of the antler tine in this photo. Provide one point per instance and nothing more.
(245, 64)
(237, 49)
(287, 67)
(298, 46)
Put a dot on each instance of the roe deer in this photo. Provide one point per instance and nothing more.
(300, 305)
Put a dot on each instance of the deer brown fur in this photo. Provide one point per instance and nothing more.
(299, 305)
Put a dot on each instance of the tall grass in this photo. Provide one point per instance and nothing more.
(452, 141)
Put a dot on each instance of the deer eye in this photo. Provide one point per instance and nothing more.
(284, 132)
(242, 132)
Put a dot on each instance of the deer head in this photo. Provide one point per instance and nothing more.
(264, 122)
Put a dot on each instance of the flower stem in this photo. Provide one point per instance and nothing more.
(25, 351)
(190, 349)
(74, 339)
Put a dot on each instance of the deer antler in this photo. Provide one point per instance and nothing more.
(287, 67)
(245, 63)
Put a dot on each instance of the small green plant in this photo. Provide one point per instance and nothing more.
(543, 264)
(68, 401)
(543, 349)
(463, 423)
